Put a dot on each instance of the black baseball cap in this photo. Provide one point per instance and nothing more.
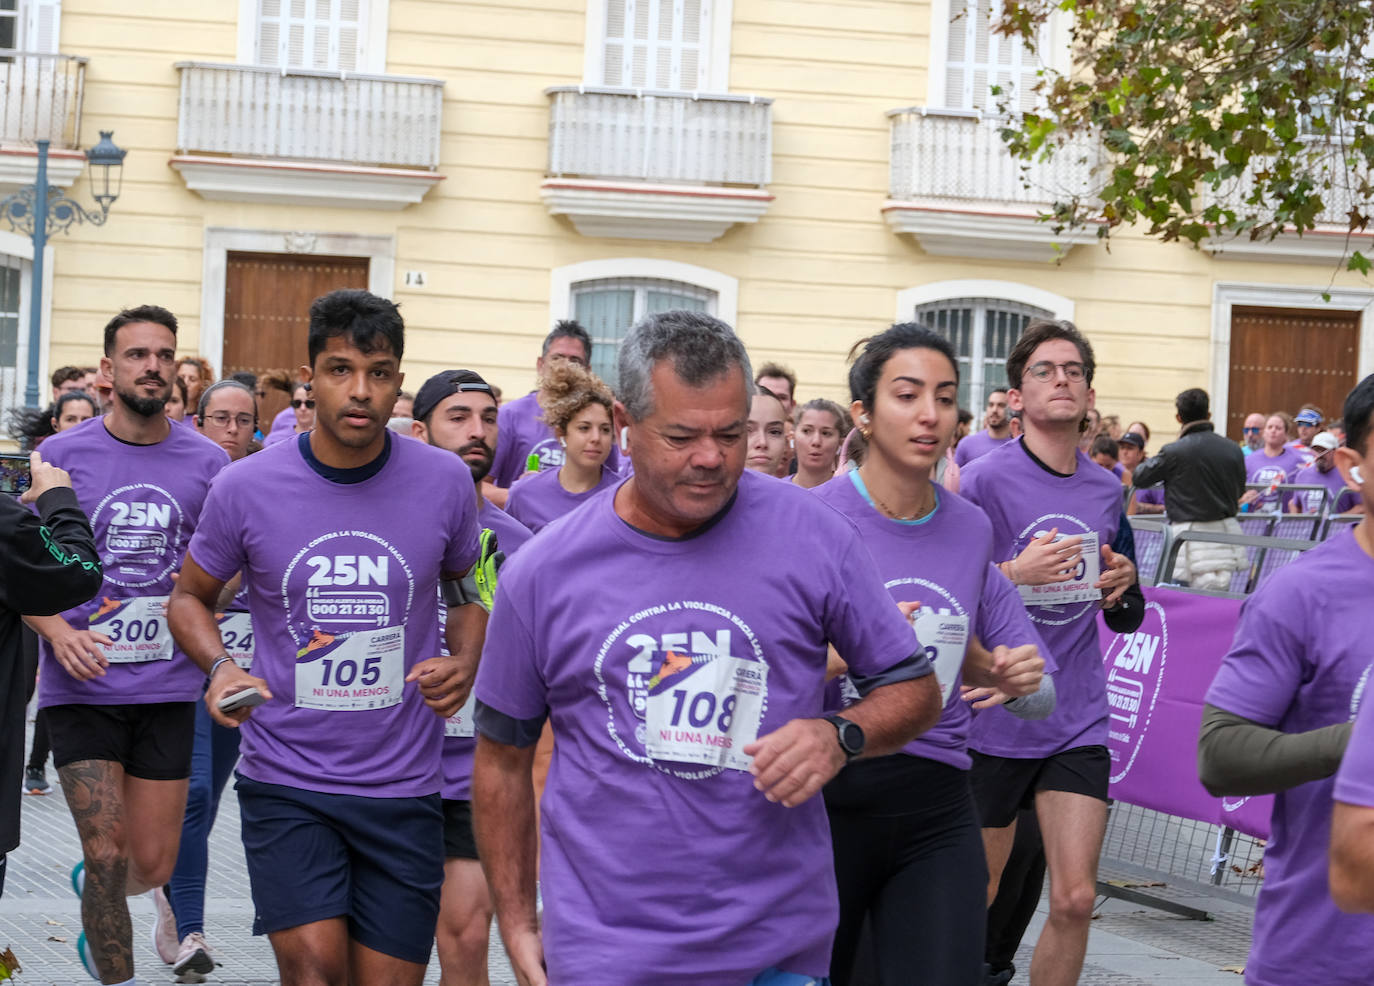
(443, 385)
(1131, 438)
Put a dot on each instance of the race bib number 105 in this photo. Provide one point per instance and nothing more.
(137, 629)
(365, 670)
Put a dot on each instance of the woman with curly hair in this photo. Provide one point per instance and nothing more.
(577, 406)
(198, 374)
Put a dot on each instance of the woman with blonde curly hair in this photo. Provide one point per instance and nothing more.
(577, 406)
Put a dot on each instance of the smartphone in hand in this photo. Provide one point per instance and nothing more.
(244, 698)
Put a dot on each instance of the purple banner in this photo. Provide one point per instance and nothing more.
(1156, 680)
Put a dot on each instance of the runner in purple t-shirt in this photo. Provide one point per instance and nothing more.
(339, 782)
(456, 411)
(908, 856)
(996, 430)
(1339, 497)
(1273, 464)
(682, 668)
(117, 693)
(1056, 517)
(1277, 720)
(577, 406)
(524, 432)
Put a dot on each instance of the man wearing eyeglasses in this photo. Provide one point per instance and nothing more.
(1252, 432)
(1058, 523)
(524, 432)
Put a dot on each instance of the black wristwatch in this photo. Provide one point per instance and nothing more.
(849, 734)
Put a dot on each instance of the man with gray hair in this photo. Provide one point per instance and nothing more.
(683, 672)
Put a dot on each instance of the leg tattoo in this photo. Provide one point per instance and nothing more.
(93, 794)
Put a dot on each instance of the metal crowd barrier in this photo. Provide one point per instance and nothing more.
(1159, 848)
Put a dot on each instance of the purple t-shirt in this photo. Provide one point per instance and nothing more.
(1343, 498)
(279, 435)
(1023, 500)
(284, 423)
(658, 662)
(459, 739)
(1355, 779)
(523, 430)
(1154, 494)
(978, 444)
(539, 500)
(343, 588)
(1300, 661)
(144, 502)
(944, 562)
(1261, 468)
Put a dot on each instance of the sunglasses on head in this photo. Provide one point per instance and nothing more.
(308, 403)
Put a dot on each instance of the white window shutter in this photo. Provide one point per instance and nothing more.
(312, 34)
(657, 44)
(42, 30)
(976, 59)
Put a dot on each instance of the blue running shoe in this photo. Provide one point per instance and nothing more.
(87, 959)
(79, 878)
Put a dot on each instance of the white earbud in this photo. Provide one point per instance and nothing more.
(624, 439)
(1357, 474)
(563, 442)
(863, 419)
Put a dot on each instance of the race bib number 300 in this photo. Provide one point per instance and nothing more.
(137, 629)
(707, 714)
(365, 670)
(945, 638)
(1078, 589)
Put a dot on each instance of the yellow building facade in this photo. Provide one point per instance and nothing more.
(809, 170)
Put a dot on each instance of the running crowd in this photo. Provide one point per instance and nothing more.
(684, 683)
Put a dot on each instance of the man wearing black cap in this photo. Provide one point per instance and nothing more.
(1204, 478)
(456, 411)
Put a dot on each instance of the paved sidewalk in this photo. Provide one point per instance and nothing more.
(40, 919)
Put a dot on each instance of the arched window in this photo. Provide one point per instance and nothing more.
(609, 306)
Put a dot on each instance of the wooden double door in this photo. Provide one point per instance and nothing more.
(267, 300)
(1283, 358)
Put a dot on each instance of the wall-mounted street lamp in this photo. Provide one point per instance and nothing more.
(41, 209)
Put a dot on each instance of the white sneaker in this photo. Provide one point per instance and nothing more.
(164, 927)
(194, 960)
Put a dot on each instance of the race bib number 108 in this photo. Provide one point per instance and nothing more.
(708, 714)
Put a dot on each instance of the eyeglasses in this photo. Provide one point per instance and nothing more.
(223, 418)
(309, 404)
(1250, 431)
(1044, 370)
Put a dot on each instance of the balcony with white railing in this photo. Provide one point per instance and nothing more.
(40, 99)
(643, 164)
(246, 133)
(956, 188)
(1330, 240)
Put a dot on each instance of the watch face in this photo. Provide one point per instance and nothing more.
(851, 737)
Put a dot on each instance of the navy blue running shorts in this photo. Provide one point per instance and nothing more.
(376, 862)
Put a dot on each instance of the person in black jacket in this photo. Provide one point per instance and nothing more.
(50, 565)
(1204, 478)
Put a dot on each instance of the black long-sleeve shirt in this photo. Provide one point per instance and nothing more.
(47, 564)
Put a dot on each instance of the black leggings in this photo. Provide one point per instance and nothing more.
(909, 860)
(1018, 895)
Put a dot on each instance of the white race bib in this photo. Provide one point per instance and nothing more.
(460, 723)
(365, 670)
(708, 716)
(236, 630)
(137, 629)
(945, 639)
(1078, 589)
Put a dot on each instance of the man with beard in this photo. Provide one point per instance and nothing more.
(456, 411)
(117, 692)
(996, 430)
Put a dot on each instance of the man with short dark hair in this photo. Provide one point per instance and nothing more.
(340, 773)
(686, 698)
(1277, 720)
(996, 430)
(527, 441)
(67, 379)
(779, 380)
(1058, 522)
(117, 692)
(1203, 475)
(456, 411)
